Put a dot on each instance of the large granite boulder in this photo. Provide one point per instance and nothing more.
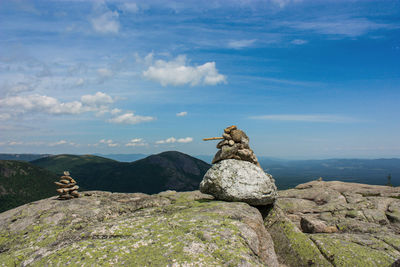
(134, 229)
(237, 180)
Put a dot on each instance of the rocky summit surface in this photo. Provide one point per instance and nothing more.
(315, 224)
(336, 224)
(122, 229)
(237, 180)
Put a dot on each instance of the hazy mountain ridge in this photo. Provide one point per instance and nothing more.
(290, 173)
(22, 157)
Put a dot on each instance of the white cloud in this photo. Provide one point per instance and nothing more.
(80, 82)
(238, 44)
(177, 72)
(185, 140)
(129, 7)
(4, 116)
(115, 111)
(172, 140)
(61, 142)
(131, 118)
(167, 141)
(299, 41)
(108, 142)
(350, 27)
(283, 3)
(14, 143)
(104, 72)
(98, 102)
(181, 114)
(136, 142)
(307, 118)
(106, 23)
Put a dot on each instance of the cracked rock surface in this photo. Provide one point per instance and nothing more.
(134, 229)
(237, 180)
(336, 224)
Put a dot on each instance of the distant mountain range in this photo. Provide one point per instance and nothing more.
(22, 182)
(22, 157)
(168, 170)
(289, 173)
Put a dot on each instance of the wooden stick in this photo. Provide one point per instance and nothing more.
(213, 138)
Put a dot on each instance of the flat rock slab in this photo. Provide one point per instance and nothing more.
(237, 180)
(336, 224)
(121, 229)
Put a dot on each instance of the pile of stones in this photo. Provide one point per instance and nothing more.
(236, 174)
(67, 187)
(235, 146)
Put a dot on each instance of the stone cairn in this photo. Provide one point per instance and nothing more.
(67, 187)
(234, 145)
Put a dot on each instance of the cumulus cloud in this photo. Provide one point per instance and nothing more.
(185, 140)
(98, 102)
(178, 72)
(306, 118)
(108, 142)
(131, 118)
(172, 140)
(238, 44)
(181, 114)
(106, 23)
(136, 142)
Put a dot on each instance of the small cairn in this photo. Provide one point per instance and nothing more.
(67, 187)
(234, 145)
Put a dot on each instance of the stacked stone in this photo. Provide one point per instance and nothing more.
(235, 146)
(67, 187)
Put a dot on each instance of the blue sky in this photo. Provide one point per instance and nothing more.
(304, 79)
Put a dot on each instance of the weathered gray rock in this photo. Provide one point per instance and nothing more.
(236, 180)
(335, 223)
(122, 229)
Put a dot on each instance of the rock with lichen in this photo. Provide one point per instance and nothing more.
(135, 229)
(237, 180)
(336, 224)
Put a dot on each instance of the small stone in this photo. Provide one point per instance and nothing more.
(230, 128)
(66, 177)
(217, 157)
(60, 191)
(315, 226)
(66, 173)
(64, 181)
(67, 196)
(226, 136)
(72, 188)
(74, 193)
(222, 143)
(238, 135)
(231, 142)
